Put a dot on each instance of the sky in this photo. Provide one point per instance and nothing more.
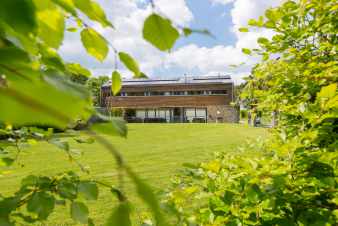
(196, 55)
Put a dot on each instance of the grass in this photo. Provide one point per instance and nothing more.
(155, 151)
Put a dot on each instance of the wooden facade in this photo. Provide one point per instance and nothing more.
(178, 99)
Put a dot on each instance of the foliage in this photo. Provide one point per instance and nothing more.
(94, 84)
(292, 179)
(155, 27)
(130, 63)
(116, 82)
(38, 88)
(78, 74)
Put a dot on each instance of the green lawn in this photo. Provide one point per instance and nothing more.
(154, 151)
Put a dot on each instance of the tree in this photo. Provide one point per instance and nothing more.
(94, 84)
(291, 179)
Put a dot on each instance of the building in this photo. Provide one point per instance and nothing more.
(189, 99)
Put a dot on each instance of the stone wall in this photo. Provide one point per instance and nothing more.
(222, 113)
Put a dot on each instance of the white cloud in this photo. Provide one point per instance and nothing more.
(242, 12)
(206, 59)
(176, 10)
(128, 19)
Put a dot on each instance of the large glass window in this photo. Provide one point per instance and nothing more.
(151, 113)
(190, 114)
(140, 114)
(201, 113)
(160, 113)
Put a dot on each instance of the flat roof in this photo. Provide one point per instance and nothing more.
(226, 79)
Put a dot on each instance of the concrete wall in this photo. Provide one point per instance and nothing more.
(222, 113)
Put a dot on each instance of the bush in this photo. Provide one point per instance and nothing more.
(292, 178)
(244, 114)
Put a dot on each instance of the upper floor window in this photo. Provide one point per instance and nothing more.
(177, 93)
(134, 94)
(196, 92)
(218, 92)
(157, 93)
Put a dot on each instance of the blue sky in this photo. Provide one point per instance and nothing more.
(194, 55)
(214, 17)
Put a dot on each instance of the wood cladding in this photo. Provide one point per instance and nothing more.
(167, 101)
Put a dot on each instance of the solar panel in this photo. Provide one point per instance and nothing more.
(183, 80)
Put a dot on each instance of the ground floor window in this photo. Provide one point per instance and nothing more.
(178, 114)
(196, 114)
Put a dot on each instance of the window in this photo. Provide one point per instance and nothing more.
(178, 93)
(135, 94)
(157, 93)
(160, 113)
(190, 114)
(151, 113)
(196, 92)
(140, 114)
(201, 113)
(218, 92)
(195, 113)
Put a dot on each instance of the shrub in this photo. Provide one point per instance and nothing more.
(292, 178)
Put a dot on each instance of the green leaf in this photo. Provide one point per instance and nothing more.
(130, 63)
(6, 161)
(116, 127)
(19, 14)
(116, 82)
(265, 56)
(26, 97)
(253, 193)
(243, 29)
(252, 22)
(263, 41)
(120, 216)
(42, 204)
(246, 51)
(81, 140)
(272, 15)
(187, 31)
(95, 44)
(93, 10)
(228, 197)
(72, 29)
(79, 212)
(88, 189)
(148, 196)
(67, 5)
(50, 21)
(159, 32)
(64, 145)
(77, 69)
(67, 189)
(143, 75)
(328, 91)
(52, 59)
